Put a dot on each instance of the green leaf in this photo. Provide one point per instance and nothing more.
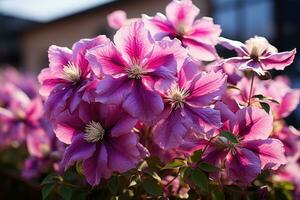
(217, 194)
(207, 167)
(200, 179)
(47, 189)
(274, 101)
(66, 193)
(259, 96)
(196, 156)
(229, 136)
(174, 164)
(265, 106)
(154, 175)
(113, 185)
(152, 187)
(79, 169)
(51, 179)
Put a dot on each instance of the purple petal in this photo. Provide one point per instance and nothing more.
(58, 57)
(243, 166)
(143, 103)
(123, 126)
(169, 132)
(96, 167)
(270, 152)
(113, 90)
(78, 150)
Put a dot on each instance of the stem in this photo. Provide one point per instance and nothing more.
(251, 88)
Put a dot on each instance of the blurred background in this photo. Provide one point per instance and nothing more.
(29, 27)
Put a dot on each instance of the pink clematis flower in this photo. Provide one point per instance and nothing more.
(118, 18)
(187, 106)
(133, 68)
(101, 136)
(68, 78)
(258, 55)
(279, 89)
(253, 152)
(198, 36)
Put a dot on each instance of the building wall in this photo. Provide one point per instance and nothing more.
(36, 41)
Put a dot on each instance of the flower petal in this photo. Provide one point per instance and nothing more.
(78, 150)
(270, 152)
(134, 42)
(279, 61)
(182, 13)
(253, 123)
(243, 166)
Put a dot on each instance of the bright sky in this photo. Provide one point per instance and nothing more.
(46, 10)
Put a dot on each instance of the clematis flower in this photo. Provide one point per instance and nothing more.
(68, 77)
(198, 36)
(100, 136)
(253, 152)
(187, 106)
(258, 55)
(19, 117)
(118, 18)
(133, 68)
(287, 98)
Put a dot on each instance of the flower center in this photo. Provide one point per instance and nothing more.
(256, 47)
(72, 72)
(94, 132)
(135, 72)
(177, 96)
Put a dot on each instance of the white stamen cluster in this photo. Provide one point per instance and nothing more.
(257, 46)
(72, 72)
(135, 72)
(177, 96)
(94, 132)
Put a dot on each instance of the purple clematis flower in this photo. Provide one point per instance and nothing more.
(198, 36)
(187, 106)
(253, 152)
(133, 67)
(258, 54)
(68, 78)
(101, 136)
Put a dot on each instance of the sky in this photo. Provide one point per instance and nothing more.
(46, 10)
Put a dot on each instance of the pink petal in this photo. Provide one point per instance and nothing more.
(134, 42)
(253, 124)
(253, 65)
(58, 57)
(243, 166)
(78, 150)
(206, 87)
(270, 152)
(117, 19)
(159, 26)
(199, 50)
(234, 45)
(279, 61)
(289, 103)
(106, 59)
(205, 31)
(182, 13)
(143, 103)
